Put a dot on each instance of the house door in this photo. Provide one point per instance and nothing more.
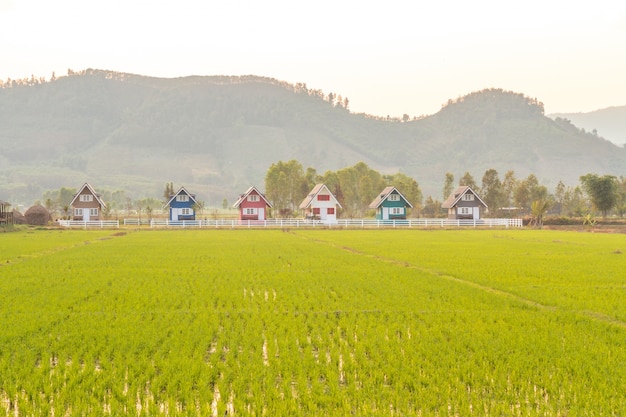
(86, 214)
(323, 213)
(261, 214)
(174, 214)
(385, 213)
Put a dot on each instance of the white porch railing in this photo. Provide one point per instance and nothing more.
(89, 224)
(340, 223)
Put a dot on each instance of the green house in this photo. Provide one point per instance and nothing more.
(390, 204)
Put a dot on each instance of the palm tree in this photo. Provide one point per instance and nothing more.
(538, 209)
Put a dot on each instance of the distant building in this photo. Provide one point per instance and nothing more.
(464, 203)
(390, 204)
(181, 205)
(252, 205)
(320, 204)
(87, 204)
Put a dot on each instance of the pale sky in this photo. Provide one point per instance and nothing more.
(388, 58)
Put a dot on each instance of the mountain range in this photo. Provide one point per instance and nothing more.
(218, 135)
(609, 123)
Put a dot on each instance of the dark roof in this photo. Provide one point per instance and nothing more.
(243, 196)
(458, 194)
(384, 194)
(91, 191)
(180, 190)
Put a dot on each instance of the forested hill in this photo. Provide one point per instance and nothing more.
(219, 135)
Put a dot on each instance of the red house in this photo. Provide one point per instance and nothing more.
(252, 205)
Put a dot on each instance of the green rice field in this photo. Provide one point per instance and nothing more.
(312, 322)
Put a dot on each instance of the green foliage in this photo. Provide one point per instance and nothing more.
(354, 187)
(360, 185)
(538, 209)
(491, 192)
(468, 180)
(286, 186)
(603, 191)
(448, 186)
(311, 323)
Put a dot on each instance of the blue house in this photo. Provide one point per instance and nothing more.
(181, 205)
(390, 204)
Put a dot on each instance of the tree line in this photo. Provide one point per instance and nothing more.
(287, 183)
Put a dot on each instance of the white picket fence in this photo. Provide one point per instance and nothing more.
(90, 224)
(341, 223)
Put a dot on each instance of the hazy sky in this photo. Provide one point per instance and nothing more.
(388, 58)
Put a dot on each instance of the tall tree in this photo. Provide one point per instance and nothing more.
(468, 180)
(620, 206)
(432, 207)
(529, 190)
(508, 188)
(559, 197)
(448, 185)
(169, 191)
(284, 186)
(359, 184)
(602, 191)
(574, 202)
(491, 191)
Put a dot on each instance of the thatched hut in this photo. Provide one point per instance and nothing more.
(37, 215)
(18, 218)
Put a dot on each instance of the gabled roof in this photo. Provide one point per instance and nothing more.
(458, 194)
(180, 191)
(91, 191)
(245, 195)
(383, 196)
(314, 192)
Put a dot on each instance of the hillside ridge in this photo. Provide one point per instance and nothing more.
(218, 135)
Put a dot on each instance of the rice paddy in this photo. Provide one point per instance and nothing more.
(312, 322)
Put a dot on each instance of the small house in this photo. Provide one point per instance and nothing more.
(252, 205)
(464, 203)
(181, 205)
(320, 204)
(390, 204)
(87, 204)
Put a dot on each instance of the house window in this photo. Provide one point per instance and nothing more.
(93, 212)
(182, 198)
(186, 212)
(465, 210)
(85, 198)
(250, 211)
(253, 198)
(468, 197)
(331, 211)
(396, 210)
(323, 197)
(394, 197)
(316, 211)
(78, 212)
